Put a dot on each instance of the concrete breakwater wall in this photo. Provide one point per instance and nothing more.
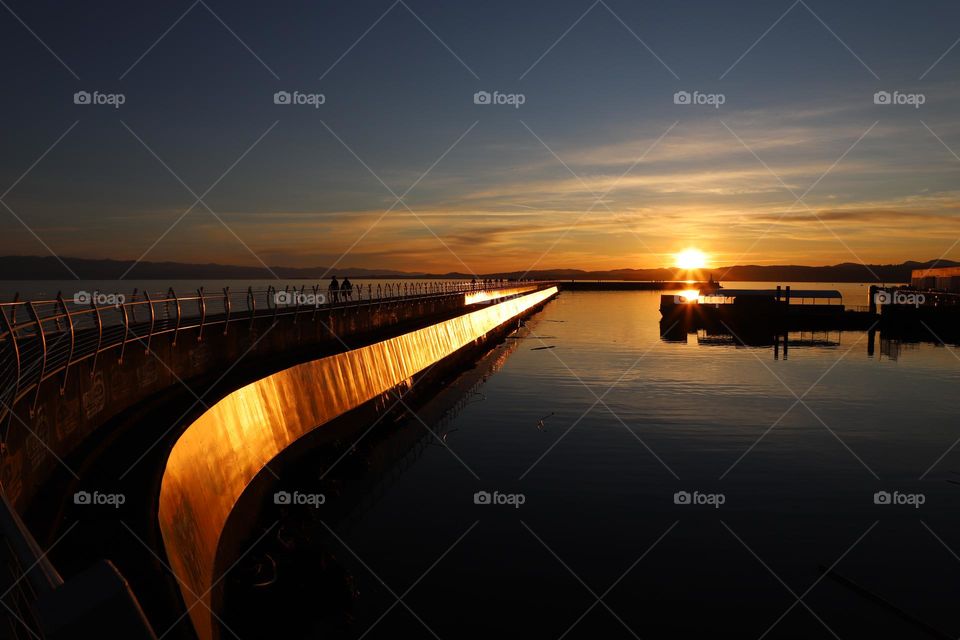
(222, 451)
(48, 426)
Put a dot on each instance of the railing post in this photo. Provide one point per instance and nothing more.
(99, 321)
(9, 326)
(226, 308)
(176, 301)
(73, 340)
(133, 306)
(153, 318)
(251, 304)
(276, 307)
(203, 312)
(126, 329)
(316, 303)
(43, 361)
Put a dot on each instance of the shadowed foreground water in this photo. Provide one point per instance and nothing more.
(598, 479)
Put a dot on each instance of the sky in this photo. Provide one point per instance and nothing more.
(593, 158)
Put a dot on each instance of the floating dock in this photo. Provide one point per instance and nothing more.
(777, 310)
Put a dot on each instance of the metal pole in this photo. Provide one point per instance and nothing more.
(203, 312)
(126, 329)
(73, 339)
(99, 321)
(226, 308)
(176, 301)
(153, 318)
(16, 356)
(251, 304)
(43, 362)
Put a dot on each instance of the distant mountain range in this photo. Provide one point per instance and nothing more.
(49, 268)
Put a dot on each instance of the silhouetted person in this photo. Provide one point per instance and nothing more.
(334, 290)
(347, 289)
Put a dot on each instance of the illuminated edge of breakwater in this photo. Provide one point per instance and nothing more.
(486, 296)
(221, 452)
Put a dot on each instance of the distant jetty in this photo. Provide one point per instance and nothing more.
(631, 285)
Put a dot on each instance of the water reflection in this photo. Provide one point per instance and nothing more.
(301, 570)
(799, 484)
(893, 343)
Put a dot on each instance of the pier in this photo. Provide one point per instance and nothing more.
(89, 387)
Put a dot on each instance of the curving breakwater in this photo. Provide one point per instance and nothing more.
(220, 453)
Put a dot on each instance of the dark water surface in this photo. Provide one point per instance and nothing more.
(598, 479)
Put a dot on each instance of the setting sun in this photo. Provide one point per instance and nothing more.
(689, 259)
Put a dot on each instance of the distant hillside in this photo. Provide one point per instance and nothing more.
(49, 268)
(844, 272)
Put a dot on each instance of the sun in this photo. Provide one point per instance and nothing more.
(690, 259)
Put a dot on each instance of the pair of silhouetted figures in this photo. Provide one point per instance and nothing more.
(338, 291)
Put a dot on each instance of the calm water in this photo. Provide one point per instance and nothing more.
(598, 482)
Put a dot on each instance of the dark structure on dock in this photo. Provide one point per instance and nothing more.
(762, 310)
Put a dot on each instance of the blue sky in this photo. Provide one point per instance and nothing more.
(598, 168)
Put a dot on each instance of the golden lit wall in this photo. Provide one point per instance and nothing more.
(225, 448)
(495, 294)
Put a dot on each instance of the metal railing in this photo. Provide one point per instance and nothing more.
(42, 339)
